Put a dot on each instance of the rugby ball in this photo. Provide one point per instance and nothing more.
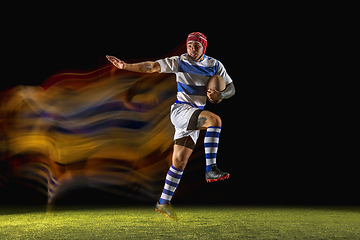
(215, 82)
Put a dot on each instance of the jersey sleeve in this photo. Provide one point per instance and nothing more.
(169, 65)
(222, 72)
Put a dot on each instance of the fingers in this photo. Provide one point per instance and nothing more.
(212, 90)
(209, 95)
(116, 62)
(213, 95)
(111, 58)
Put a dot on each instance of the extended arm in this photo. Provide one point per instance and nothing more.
(143, 67)
(228, 92)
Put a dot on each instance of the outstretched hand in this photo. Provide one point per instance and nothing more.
(116, 62)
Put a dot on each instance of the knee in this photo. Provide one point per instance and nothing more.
(179, 161)
(215, 120)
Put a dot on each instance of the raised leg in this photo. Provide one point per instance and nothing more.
(212, 123)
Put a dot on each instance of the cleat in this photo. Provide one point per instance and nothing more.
(216, 174)
(50, 209)
(168, 210)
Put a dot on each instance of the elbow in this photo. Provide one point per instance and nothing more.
(232, 93)
(228, 92)
(232, 89)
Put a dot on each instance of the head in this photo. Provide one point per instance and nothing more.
(196, 44)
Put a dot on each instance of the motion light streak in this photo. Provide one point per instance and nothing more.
(105, 129)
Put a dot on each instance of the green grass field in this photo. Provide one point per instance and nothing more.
(215, 222)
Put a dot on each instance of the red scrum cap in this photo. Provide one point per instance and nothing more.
(198, 37)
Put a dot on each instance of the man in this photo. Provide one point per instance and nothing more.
(192, 70)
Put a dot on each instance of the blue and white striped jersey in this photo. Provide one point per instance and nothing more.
(192, 76)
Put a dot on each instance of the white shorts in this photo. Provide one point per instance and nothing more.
(180, 115)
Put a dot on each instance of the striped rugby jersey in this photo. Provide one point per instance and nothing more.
(192, 76)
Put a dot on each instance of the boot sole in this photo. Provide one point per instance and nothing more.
(218, 179)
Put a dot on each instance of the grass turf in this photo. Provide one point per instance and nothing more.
(196, 222)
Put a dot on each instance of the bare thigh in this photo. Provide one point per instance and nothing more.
(207, 119)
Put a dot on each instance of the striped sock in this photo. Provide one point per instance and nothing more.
(211, 143)
(172, 181)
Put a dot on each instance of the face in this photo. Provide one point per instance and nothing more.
(194, 50)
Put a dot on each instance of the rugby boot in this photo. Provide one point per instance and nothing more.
(215, 174)
(168, 210)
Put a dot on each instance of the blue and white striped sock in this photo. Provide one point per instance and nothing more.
(211, 142)
(172, 181)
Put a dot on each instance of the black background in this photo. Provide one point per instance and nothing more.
(281, 139)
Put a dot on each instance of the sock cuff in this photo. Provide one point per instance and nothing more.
(174, 168)
(218, 127)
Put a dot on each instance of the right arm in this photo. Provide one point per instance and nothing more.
(142, 67)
